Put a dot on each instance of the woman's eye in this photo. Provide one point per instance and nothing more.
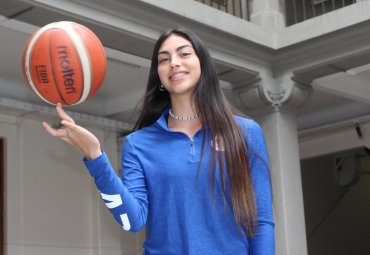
(162, 60)
(185, 54)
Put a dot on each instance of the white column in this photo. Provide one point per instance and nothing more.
(267, 13)
(281, 135)
(275, 112)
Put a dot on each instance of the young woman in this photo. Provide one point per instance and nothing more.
(195, 174)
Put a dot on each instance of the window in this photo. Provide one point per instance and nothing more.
(300, 10)
(238, 8)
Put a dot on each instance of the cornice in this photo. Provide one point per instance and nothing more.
(324, 50)
(298, 47)
(317, 41)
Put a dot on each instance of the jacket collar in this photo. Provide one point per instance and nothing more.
(162, 121)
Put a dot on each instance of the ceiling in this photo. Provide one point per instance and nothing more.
(338, 93)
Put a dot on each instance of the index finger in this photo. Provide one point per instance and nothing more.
(62, 114)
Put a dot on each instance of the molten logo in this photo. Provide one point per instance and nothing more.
(67, 70)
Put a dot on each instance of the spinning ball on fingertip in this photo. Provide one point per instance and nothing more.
(64, 62)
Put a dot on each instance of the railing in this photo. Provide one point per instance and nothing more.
(295, 10)
(299, 10)
(238, 8)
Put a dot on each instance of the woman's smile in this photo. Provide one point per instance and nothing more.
(178, 76)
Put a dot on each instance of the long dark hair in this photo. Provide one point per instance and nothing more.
(217, 113)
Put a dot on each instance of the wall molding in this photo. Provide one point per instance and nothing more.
(335, 137)
(20, 109)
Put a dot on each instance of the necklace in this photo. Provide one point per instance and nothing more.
(183, 118)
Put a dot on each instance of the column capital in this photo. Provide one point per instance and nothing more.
(259, 96)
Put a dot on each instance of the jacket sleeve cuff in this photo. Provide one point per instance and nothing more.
(96, 165)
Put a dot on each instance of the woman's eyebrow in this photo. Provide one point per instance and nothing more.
(177, 49)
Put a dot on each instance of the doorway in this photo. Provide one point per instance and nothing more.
(336, 192)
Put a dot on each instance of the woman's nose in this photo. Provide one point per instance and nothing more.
(175, 62)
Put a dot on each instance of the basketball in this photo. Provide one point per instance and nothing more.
(64, 62)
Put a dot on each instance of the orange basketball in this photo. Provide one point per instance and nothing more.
(64, 62)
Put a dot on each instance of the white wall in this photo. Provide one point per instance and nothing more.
(52, 205)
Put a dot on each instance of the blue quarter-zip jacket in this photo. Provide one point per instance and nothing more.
(161, 189)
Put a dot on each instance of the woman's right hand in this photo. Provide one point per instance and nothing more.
(75, 135)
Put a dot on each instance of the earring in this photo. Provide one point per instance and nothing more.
(162, 88)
